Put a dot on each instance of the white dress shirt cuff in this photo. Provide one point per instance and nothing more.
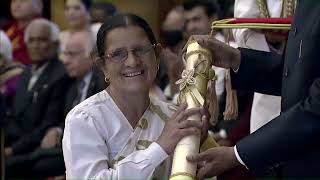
(238, 157)
(156, 154)
(236, 70)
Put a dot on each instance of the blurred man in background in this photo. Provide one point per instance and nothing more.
(39, 99)
(87, 82)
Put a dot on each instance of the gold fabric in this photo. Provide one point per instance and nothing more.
(223, 24)
(135, 143)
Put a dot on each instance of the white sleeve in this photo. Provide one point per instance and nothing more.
(86, 154)
(244, 37)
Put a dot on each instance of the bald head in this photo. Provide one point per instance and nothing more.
(82, 40)
(76, 54)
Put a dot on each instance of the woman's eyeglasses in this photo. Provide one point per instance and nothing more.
(121, 54)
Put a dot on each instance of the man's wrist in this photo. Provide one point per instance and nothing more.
(237, 157)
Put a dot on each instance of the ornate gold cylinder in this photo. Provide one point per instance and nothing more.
(193, 87)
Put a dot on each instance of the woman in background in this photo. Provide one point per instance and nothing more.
(78, 17)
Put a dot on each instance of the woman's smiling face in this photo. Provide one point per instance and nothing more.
(130, 59)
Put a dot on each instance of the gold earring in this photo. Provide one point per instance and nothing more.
(106, 79)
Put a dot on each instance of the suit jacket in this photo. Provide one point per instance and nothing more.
(38, 109)
(2, 111)
(96, 85)
(291, 140)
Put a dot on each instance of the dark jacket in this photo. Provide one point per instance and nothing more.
(38, 109)
(96, 85)
(291, 140)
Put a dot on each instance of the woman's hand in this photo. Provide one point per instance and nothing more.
(178, 127)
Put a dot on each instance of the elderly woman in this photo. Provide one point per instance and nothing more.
(122, 133)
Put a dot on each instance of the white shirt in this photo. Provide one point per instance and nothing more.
(36, 73)
(96, 132)
(249, 9)
(264, 107)
(221, 72)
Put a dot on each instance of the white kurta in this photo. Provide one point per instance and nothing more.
(264, 107)
(100, 143)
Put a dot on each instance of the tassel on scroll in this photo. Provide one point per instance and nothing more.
(231, 109)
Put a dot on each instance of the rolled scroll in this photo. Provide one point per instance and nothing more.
(193, 88)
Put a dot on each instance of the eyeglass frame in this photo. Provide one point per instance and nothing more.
(71, 53)
(132, 50)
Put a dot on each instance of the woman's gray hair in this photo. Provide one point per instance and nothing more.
(5, 46)
(54, 29)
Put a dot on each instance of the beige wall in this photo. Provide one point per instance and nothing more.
(57, 15)
(148, 9)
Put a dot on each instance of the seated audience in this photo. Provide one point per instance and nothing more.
(38, 104)
(79, 65)
(171, 65)
(99, 12)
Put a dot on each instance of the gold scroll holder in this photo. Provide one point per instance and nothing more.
(193, 88)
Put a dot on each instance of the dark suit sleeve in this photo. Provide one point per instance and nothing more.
(293, 133)
(259, 72)
(2, 111)
(52, 117)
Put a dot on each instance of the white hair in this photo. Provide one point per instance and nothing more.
(54, 29)
(5, 46)
(87, 41)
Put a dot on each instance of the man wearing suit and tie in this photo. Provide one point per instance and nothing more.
(38, 103)
(87, 82)
(79, 65)
(290, 142)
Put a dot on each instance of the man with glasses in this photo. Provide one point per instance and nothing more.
(87, 82)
